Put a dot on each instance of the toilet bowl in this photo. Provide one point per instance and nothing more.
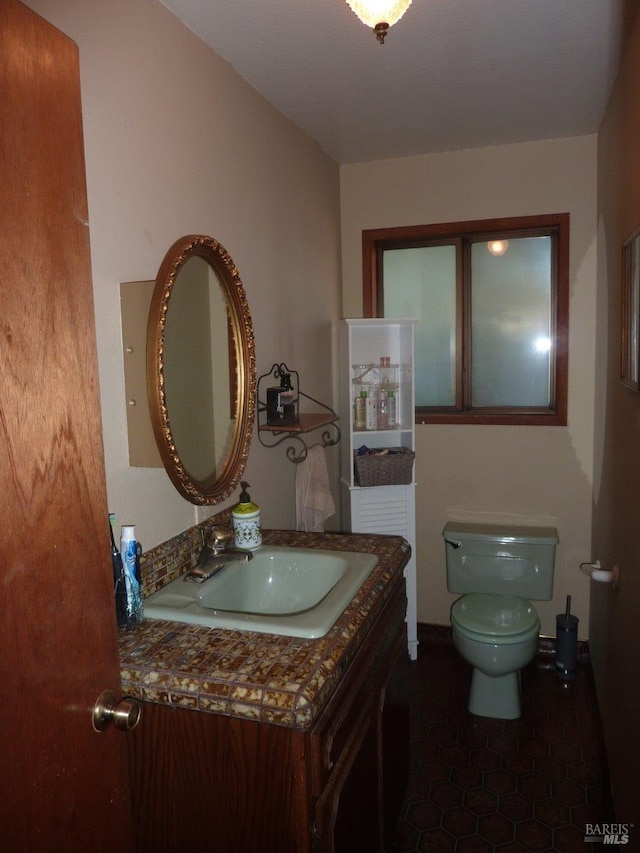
(497, 569)
(498, 636)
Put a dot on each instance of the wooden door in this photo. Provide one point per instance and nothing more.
(64, 786)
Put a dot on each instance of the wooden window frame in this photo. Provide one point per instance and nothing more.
(462, 234)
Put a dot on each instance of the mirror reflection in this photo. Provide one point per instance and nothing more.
(201, 369)
(196, 370)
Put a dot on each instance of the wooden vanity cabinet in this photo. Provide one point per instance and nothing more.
(207, 782)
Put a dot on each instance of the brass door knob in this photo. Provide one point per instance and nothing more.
(124, 714)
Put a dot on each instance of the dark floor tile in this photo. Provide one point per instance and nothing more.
(454, 754)
(570, 839)
(568, 753)
(578, 735)
(502, 742)
(481, 801)
(480, 785)
(533, 835)
(517, 763)
(552, 813)
(584, 774)
(489, 725)
(473, 844)
(459, 822)
(500, 782)
(465, 776)
(520, 728)
(423, 814)
(436, 841)
(533, 787)
(485, 759)
(445, 795)
(443, 734)
(472, 738)
(550, 769)
(535, 748)
(405, 838)
(462, 719)
(548, 730)
(516, 807)
(495, 828)
(568, 792)
(417, 789)
(425, 749)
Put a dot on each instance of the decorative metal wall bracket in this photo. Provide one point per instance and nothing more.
(279, 415)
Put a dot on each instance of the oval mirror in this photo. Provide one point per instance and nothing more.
(201, 371)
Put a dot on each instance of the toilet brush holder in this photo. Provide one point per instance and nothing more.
(567, 642)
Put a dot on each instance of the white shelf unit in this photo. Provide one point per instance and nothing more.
(365, 347)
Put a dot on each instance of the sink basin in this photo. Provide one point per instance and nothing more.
(296, 592)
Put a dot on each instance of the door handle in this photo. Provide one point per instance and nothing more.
(124, 714)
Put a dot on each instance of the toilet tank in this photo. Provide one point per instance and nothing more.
(499, 559)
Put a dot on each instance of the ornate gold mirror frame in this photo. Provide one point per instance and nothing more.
(227, 474)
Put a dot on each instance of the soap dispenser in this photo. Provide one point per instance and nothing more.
(246, 521)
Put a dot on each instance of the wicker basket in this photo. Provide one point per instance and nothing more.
(393, 469)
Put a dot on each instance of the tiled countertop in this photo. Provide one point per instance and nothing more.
(281, 680)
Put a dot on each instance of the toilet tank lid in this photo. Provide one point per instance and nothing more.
(461, 530)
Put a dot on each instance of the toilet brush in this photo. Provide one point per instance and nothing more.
(567, 642)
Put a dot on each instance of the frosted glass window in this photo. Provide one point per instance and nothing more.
(421, 282)
(492, 302)
(511, 324)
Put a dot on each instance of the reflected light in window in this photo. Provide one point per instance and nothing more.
(498, 247)
(542, 344)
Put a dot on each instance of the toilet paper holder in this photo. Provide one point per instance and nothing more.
(597, 573)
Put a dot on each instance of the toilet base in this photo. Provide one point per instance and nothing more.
(495, 696)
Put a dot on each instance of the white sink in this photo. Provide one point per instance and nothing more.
(296, 592)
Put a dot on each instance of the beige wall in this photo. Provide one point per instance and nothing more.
(177, 143)
(511, 474)
(615, 626)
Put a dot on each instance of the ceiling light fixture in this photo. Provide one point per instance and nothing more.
(379, 14)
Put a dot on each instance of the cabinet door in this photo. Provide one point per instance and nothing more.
(358, 825)
(366, 749)
(349, 813)
(395, 744)
(204, 783)
(361, 805)
(390, 510)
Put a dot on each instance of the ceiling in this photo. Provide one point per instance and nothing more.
(452, 74)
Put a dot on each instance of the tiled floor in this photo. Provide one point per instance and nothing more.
(479, 785)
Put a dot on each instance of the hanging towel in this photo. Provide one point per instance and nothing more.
(314, 501)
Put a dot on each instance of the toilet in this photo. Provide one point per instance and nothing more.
(496, 569)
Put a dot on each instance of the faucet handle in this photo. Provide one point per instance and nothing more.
(219, 537)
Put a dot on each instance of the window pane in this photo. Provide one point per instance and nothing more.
(511, 333)
(422, 283)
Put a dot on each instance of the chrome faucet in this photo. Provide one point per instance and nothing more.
(216, 554)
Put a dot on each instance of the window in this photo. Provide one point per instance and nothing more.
(492, 300)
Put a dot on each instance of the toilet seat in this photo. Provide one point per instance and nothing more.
(498, 619)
